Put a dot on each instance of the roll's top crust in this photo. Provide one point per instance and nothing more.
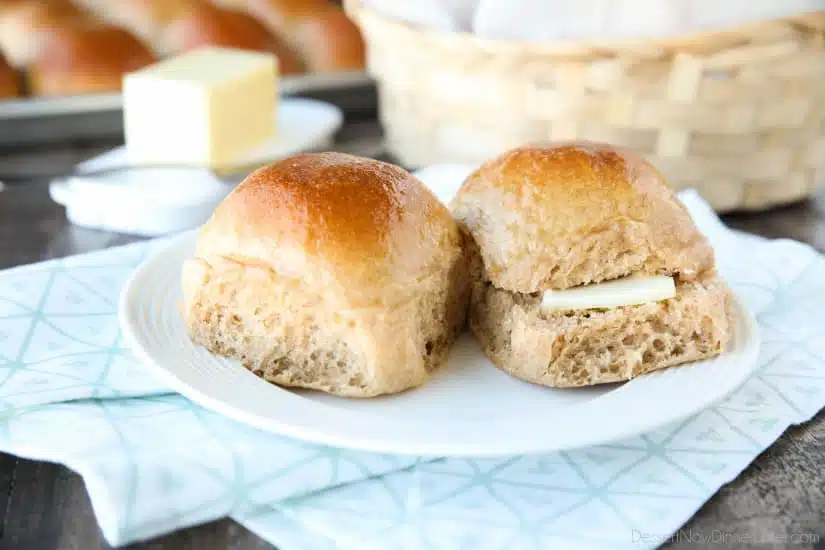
(364, 230)
(87, 58)
(319, 31)
(329, 41)
(569, 214)
(9, 85)
(202, 24)
(25, 25)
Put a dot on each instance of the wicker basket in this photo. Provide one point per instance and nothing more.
(738, 115)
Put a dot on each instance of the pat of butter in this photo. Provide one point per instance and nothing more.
(627, 291)
(208, 107)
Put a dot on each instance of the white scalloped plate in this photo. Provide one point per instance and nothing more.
(469, 408)
(162, 201)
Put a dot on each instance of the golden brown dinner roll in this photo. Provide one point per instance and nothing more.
(203, 24)
(86, 59)
(26, 24)
(332, 272)
(9, 82)
(147, 19)
(586, 267)
(329, 41)
(322, 34)
(281, 14)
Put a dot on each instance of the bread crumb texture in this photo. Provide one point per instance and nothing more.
(581, 348)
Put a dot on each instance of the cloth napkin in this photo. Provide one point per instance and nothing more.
(154, 462)
(587, 20)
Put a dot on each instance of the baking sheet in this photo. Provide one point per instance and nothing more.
(34, 121)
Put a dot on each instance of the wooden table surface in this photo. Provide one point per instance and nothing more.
(45, 506)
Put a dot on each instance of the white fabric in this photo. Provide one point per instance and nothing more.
(547, 20)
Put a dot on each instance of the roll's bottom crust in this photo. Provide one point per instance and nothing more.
(581, 348)
(293, 337)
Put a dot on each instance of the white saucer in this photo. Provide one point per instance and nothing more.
(160, 201)
(469, 408)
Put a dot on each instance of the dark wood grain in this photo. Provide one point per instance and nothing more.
(8, 468)
(777, 502)
(49, 508)
(44, 506)
(803, 222)
(36, 511)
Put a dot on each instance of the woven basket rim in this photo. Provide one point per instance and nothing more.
(814, 20)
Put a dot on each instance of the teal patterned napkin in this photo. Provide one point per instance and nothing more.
(633, 494)
(154, 462)
(59, 336)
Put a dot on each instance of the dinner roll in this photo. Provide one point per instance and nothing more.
(329, 41)
(322, 34)
(147, 19)
(541, 220)
(203, 24)
(86, 58)
(332, 272)
(577, 213)
(25, 25)
(9, 82)
(281, 14)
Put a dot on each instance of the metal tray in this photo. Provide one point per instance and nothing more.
(40, 121)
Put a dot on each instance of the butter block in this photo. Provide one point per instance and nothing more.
(627, 291)
(208, 107)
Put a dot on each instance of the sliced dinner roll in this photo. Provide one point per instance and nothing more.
(331, 272)
(548, 220)
(570, 348)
